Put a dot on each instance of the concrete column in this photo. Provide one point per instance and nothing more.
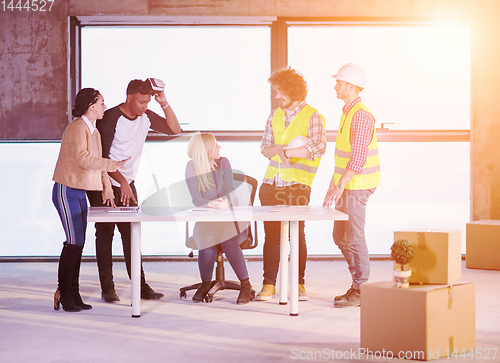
(485, 111)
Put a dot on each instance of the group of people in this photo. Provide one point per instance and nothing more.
(293, 166)
(98, 160)
(100, 152)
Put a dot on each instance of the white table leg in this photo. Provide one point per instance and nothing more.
(136, 269)
(294, 268)
(284, 263)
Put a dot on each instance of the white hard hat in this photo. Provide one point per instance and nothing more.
(351, 73)
(298, 141)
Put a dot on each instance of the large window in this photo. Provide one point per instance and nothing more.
(418, 77)
(216, 77)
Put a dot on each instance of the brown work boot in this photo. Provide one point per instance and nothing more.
(352, 299)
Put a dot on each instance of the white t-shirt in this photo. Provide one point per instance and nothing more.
(123, 137)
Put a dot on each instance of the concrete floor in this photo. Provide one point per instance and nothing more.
(177, 330)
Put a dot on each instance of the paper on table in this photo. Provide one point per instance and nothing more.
(201, 209)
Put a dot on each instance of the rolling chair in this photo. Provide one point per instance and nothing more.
(248, 185)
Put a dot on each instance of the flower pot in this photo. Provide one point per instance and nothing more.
(402, 278)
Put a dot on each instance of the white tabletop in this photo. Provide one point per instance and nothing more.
(256, 213)
(288, 216)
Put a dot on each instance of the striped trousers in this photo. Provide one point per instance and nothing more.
(71, 205)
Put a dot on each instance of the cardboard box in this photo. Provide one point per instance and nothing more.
(438, 255)
(430, 321)
(483, 245)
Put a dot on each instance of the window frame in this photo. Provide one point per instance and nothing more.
(278, 59)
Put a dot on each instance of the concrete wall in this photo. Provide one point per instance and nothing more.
(34, 68)
(34, 73)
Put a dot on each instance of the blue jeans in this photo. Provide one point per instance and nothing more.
(71, 205)
(349, 235)
(234, 254)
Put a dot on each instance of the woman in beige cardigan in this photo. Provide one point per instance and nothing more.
(80, 167)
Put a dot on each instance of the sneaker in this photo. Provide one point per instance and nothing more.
(147, 293)
(340, 297)
(266, 293)
(110, 296)
(303, 293)
(352, 299)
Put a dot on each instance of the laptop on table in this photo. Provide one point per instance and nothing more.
(134, 209)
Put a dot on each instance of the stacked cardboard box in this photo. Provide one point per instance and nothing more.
(438, 255)
(483, 245)
(434, 317)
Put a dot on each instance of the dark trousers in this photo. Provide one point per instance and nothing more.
(104, 233)
(297, 194)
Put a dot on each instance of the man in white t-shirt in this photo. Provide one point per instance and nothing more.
(124, 129)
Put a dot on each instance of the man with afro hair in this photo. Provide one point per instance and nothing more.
(294, 141)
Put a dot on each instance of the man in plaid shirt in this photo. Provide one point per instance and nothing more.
(294, 140)
(356, 176)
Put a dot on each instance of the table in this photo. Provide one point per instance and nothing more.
(289, 216)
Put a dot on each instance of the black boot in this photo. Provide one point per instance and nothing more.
(104, 237)
(246, 294)
(202, 291)
(67, 262)
(75, 287)
(147, 293)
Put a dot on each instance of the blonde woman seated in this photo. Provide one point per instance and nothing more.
(210, 181)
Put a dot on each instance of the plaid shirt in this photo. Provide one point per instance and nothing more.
(316, 133)
(362, 127)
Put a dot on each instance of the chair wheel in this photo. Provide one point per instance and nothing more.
(182, 294)
(253, 294)
(209, 298)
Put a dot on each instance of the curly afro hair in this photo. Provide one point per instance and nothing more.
(85, 98)
(290, 82)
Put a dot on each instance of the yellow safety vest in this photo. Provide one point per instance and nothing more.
(298, 170)
(370, 175)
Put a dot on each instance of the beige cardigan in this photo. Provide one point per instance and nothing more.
(80, 164)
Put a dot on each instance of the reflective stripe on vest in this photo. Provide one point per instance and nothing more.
(298, 170)
(370, 175)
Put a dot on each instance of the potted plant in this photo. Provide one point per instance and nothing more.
(402, 252)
